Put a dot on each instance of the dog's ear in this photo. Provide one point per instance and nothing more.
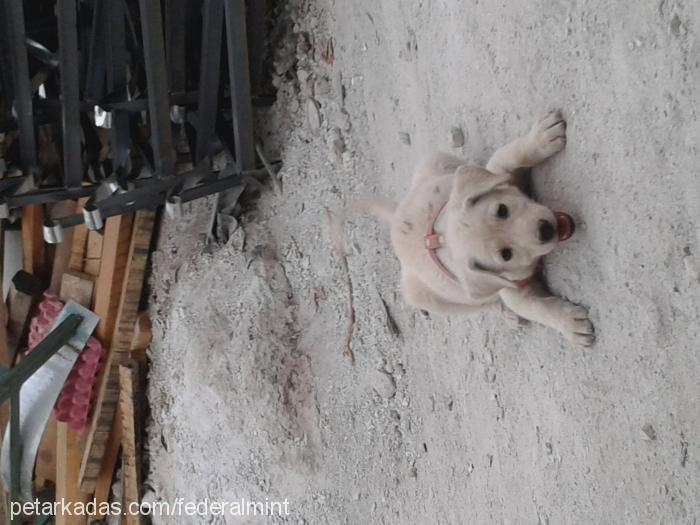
(471, 183)
(482, 283)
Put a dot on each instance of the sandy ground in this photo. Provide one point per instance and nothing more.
(459, 421)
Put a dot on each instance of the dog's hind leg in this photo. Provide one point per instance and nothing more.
(436, 166)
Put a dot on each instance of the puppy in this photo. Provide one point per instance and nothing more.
(468, 237)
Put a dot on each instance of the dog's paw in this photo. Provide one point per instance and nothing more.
(575, 325)
(547, 136)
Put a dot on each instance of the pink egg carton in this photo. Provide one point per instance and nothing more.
(75, 401)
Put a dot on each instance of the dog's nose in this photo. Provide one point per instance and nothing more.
(546, 231)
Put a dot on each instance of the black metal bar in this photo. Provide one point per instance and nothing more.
(257, 12)
(51, 195)
(14, 18)
(175, 44)
(157, 80)
(10, 184)
(70, 92)
(95, 77)
(115, 46)
(210, 66)
(154, 193)
(239, 74)
(214, 186)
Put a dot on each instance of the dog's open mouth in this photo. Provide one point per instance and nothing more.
(565, 225)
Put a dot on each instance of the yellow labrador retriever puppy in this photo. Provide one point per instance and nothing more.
(468, 237)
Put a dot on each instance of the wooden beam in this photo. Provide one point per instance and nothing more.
(67, 468)
(33, 240)
(110, 281)
(139, 344)
(79, 244)
(62, 252)
(77, 286)
(119, 352)
(93, 253)
(103, 485)
(131, 463)
(142, 335)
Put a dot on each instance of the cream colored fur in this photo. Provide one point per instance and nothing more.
(475, 236)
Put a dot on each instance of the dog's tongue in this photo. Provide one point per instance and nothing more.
(565, 225)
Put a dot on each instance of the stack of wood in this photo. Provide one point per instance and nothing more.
(105, 272)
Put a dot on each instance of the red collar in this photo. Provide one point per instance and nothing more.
(434, 241)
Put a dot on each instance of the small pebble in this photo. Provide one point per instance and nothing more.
(648, 432)
(384, 385)
(313, 115)
(456, 137)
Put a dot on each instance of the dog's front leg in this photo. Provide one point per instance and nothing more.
(547, 137)
(567, 318)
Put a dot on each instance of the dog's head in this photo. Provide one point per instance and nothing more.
(496, 233)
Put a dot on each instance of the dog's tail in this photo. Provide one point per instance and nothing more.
(381, 208)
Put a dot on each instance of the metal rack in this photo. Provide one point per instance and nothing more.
(148, 75)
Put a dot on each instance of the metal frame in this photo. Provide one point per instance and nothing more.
(145, 105)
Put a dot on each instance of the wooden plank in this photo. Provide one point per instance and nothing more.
(119, 353)
(109, 284)
(105, 478)
(67, 468)
(131, 464)
(142, 335)
(93, 253)
(62, 253)
(77, 286)
(79, 244)
(33, 240)
(139, 344)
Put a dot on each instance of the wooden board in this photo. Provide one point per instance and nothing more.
(93, 253)
(79, 243)
(142, 336)
(105, 478)
(77, 286)
(67, 468)
(62, 253)
(119, 351)
(131, 464)
(139, 344)
(34, 254)
(110, 281)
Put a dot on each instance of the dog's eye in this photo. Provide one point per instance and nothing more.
(502, 211)
(507, 254)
